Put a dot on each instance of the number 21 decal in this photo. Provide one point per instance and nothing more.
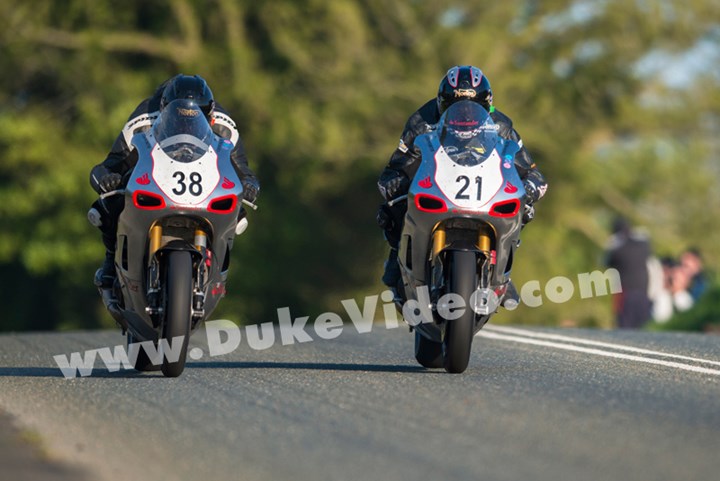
(465, 181)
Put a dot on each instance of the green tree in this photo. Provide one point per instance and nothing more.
(321, 91)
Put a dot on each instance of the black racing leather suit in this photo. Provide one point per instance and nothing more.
(405, 161)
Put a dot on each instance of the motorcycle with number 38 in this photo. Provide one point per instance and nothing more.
(180, 217)
(461, 229)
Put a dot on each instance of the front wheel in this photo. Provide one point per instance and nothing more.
(457, 342)
(178, 312)
(139, 358)
(428, 353)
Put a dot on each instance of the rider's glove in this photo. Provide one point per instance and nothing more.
(531, 192)
(394, 186)
(110, 182)
(384, 218)
(529, 214)
(250, 190)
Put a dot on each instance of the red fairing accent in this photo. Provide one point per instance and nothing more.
(430, 203)
(218, 289)
(219, 206)
(500, 209)
(227, 183)
(426, 183)
(150, 200)
(143, 180)
(509, 188)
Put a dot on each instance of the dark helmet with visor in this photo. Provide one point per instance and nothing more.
(464, 83)
(190, 88)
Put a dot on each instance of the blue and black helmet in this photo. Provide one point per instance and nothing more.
(464, 82)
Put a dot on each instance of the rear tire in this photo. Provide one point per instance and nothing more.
(457, 342)
(178, 308)
(428, 353)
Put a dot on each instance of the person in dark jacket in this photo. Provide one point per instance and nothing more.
(459, 83)
(629, 252)
(110, 174)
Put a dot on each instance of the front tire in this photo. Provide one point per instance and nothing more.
(178, 308)
(141, 362)
(428, 353)
(457, 342)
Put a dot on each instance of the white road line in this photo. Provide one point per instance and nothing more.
(576, 340)
(598, 352)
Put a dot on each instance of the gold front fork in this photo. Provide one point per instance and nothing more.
(438, 241)
(200, 239)
(484, 242)
(155, 239)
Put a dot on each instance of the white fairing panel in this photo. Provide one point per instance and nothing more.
(186, 183)
(468, 187)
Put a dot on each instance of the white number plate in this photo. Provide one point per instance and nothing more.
(468, 187)
(186, 183)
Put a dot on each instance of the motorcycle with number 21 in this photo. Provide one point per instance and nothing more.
(182, 202)
(461, 229)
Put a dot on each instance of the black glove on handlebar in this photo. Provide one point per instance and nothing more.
(110, 182)
(250, 190)
(529, 214)
(395, 186)
(531, 193)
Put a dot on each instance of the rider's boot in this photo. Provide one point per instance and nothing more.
(105, 276)
(391, 276)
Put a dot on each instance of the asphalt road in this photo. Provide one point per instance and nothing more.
(536, 404)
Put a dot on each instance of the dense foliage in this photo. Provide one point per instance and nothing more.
(606, 95)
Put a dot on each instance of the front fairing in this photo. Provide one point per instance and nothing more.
(440, 177)
(490, 192)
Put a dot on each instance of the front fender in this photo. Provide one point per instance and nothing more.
(464, 245)
(180, 245)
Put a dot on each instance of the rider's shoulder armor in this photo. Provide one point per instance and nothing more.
(505, 124)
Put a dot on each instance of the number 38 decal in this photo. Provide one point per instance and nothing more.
(186, 183)
(194, 186)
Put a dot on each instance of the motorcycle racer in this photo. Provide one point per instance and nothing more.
(110, 174)
(459, 83)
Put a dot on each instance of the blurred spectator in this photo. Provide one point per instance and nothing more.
(687, 280)
(692, 266)
(683, 282)
(629, 252)
(660, 287)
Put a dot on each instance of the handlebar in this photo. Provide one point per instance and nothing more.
(249, 204)
(394, 201)
(111, 193)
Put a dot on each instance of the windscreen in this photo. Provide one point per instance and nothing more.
(182, 131)
(467, 133)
